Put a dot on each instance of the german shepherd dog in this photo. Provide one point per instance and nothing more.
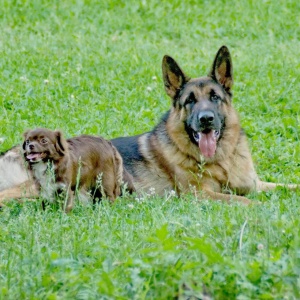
(199, 144)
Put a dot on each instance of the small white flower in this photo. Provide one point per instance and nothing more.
(149, 88)
(72, 96)
(130, 206)
(154, 78)
(172, 193)
(139, 199)
(2, 140)
(260, 247)
(152, 191)
(78, 68)
(23, 78)
(46, 81)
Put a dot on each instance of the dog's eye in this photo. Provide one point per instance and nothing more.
(215, 98)
(190, 99)
(27, 142)
(44, 141)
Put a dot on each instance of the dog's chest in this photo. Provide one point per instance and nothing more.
(39, 171)
(45, 175)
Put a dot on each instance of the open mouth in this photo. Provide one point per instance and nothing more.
(207, 141)
(35, 156)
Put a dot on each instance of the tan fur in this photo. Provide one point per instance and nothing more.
(169, 158)
(12, 170)
(26, 190)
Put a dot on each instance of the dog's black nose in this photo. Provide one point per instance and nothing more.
(31, 147)
(206, 117)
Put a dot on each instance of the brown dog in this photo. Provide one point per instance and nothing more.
(85, 163)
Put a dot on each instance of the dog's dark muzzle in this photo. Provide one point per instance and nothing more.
(206, 119)
(205, 127)
(31, 146)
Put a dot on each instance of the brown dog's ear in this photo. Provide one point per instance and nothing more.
(221, 70)
(61, 144)
(25, 138)
(173, 76)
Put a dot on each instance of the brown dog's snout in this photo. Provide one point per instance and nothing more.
(31, 146)
(206, 117)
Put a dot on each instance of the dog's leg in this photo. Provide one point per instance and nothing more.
(128, 182)
(68, 206)
(64, 195)
(263, 186)
(111, 193)
(110, 186)
(224, 197)
(27, 189)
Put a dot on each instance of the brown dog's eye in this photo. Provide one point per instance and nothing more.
(27, 142)
(44, 141)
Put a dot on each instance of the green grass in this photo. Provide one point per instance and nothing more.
(99, 59)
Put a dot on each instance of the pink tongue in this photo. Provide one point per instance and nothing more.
(208, 144)
(33, 155)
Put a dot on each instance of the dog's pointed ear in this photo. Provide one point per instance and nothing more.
(173, 76)
(221, 70)
(61, 145)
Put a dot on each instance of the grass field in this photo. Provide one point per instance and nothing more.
(95, 67)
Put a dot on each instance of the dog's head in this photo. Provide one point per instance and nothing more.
(42, 145)
(201, 103)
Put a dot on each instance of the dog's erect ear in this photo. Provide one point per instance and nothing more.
(221, 70)
(61, 144)
(173, 76)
